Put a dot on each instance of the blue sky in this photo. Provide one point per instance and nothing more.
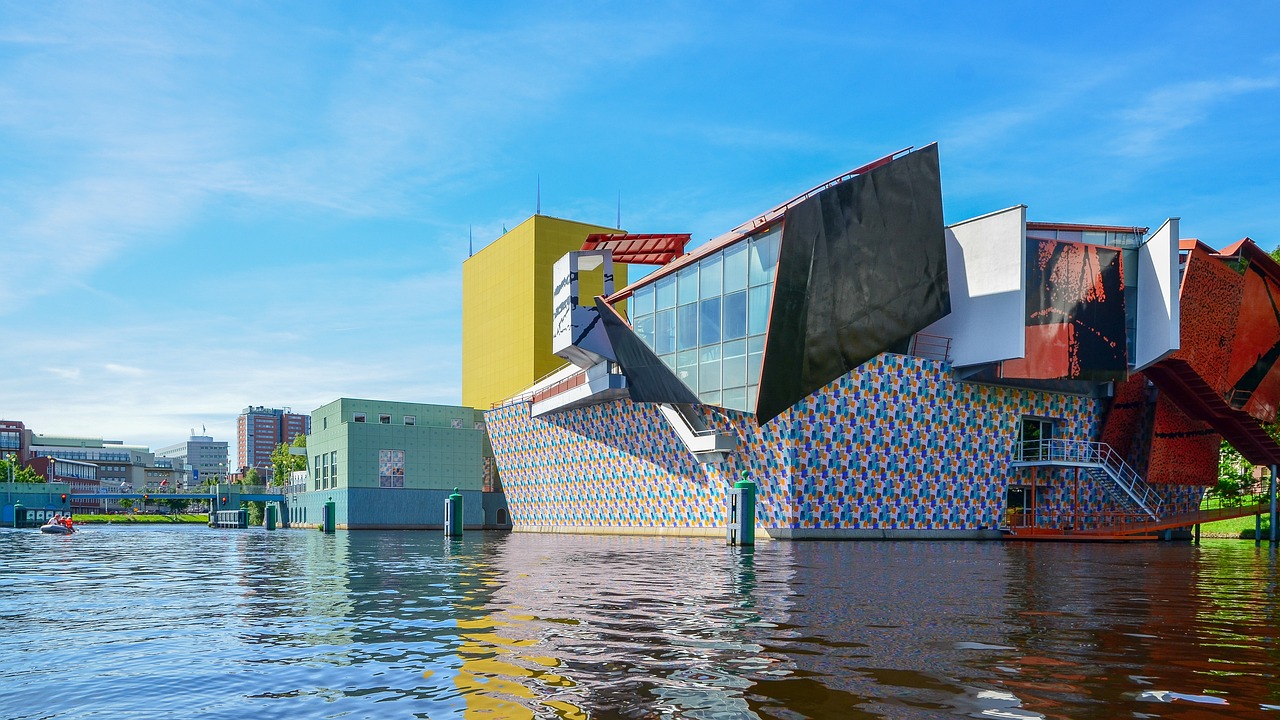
(206, 206)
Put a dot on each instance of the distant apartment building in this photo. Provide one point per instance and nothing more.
(260, 429)
(82, 477)
(13, 439)
(117, 463)
(199, 458)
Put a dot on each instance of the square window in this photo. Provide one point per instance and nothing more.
(384, 419)
(410, 420)
(357, 417)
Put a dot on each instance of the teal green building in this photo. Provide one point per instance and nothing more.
(391, 464)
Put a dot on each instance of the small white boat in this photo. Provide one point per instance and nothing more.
(56, 529)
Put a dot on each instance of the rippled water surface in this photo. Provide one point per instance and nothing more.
(188, 622)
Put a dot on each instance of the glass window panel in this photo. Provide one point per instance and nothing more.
(758, 309)
(709, 321)
(665, 331)
(687, 280)
(642, 301)
(687, 368)
(686, 326)
(735, 363)
(735, 267)
(709, 366)
(709, 276)
(735, 399)
(735, 315)
(670, 360)
(709, 397)
(751, 398)
(644, 328)
(755, 355)
(665, 292)
(764, 257)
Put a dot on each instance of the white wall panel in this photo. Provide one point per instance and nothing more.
(1157, 319)
(986, 270)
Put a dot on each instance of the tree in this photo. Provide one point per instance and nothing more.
(283, 462)
(21, 473)
(174, 504)
(126, 503)
(250, 477)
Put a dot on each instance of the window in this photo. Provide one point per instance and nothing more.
(384, 419)
(709, 321)
(735, 315)
(666, 292)
(687, 282)
(642, 301)
(1033, 438)
(358, 417)
(410, 420)
(687, 326)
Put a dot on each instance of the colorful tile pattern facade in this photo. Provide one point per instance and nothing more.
(895, 444)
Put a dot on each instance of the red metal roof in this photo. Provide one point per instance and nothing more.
(657, 249)
(1086, 228)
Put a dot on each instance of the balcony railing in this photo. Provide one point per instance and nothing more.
(930, 347)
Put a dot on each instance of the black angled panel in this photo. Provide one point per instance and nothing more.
(862, 267)
(648, 378)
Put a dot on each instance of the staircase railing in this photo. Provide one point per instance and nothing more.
(1098, 455)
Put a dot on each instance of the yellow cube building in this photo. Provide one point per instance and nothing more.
(506, 307)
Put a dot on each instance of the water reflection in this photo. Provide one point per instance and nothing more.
(199, 623)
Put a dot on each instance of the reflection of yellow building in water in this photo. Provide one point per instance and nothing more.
(506, 307)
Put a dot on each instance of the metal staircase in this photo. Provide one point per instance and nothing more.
(1103, 464)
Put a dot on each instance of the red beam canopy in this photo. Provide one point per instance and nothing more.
(639, 249)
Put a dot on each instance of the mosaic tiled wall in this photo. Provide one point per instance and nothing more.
(895, 444)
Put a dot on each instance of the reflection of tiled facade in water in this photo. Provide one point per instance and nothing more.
(895, 444)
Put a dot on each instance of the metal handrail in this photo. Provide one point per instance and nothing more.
(1096, 454)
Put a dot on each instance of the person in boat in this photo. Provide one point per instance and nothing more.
(56, 519)
(66, 520)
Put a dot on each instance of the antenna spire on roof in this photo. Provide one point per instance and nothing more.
(619, 225)
(471, 248)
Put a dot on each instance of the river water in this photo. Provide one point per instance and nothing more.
(189, 622)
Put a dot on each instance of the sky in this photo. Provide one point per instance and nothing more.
(205, 206)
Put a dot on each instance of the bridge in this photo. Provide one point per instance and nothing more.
(252, 493)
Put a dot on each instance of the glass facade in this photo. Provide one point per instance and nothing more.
(707, 321)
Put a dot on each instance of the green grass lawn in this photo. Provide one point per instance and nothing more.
(1236, 527)
(87, 518)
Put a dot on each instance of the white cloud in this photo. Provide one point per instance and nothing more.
(126, 370)
(64, 373)
(1166, 111)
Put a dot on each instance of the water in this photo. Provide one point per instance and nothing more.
(188, 622)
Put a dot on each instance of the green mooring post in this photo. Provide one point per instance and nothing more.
(269, 516)
(742, 512)
(330, 523)
(17, 512)
(453, 514)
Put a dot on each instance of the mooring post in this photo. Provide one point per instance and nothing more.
(453, 514)
(742, 512)
(1273, 506)
(330, 517)
(1197, 533)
